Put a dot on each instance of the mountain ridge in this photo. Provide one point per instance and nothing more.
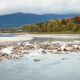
(19, 19)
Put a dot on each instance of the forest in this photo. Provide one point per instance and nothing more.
(65, 25)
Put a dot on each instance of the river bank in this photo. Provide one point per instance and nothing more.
(8, 37)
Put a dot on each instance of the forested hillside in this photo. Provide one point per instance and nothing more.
(19, 19)
(67, 24)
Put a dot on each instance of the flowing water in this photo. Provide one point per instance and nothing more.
(42, 37)
(50, 66)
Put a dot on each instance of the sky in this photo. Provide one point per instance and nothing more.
(40, 6)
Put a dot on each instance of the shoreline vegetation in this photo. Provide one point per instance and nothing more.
(41, 33)
(67, 25)
(53, 32)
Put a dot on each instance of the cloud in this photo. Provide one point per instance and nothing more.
(39, 6)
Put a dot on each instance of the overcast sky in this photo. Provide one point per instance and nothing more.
(39, 6)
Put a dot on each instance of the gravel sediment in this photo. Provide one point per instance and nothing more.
(17, 50)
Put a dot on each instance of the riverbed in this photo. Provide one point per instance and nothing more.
(40, 57)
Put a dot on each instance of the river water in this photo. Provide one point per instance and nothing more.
(40, 37)
(50, 66)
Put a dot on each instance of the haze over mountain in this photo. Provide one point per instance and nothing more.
(19, 19)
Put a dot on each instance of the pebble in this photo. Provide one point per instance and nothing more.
(54, 47)
(36, 60)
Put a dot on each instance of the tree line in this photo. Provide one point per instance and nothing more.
(59, 25)
(67, 24)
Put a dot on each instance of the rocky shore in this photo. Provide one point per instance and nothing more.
(17, 50)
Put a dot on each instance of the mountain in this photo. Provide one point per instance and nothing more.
(19, 19)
